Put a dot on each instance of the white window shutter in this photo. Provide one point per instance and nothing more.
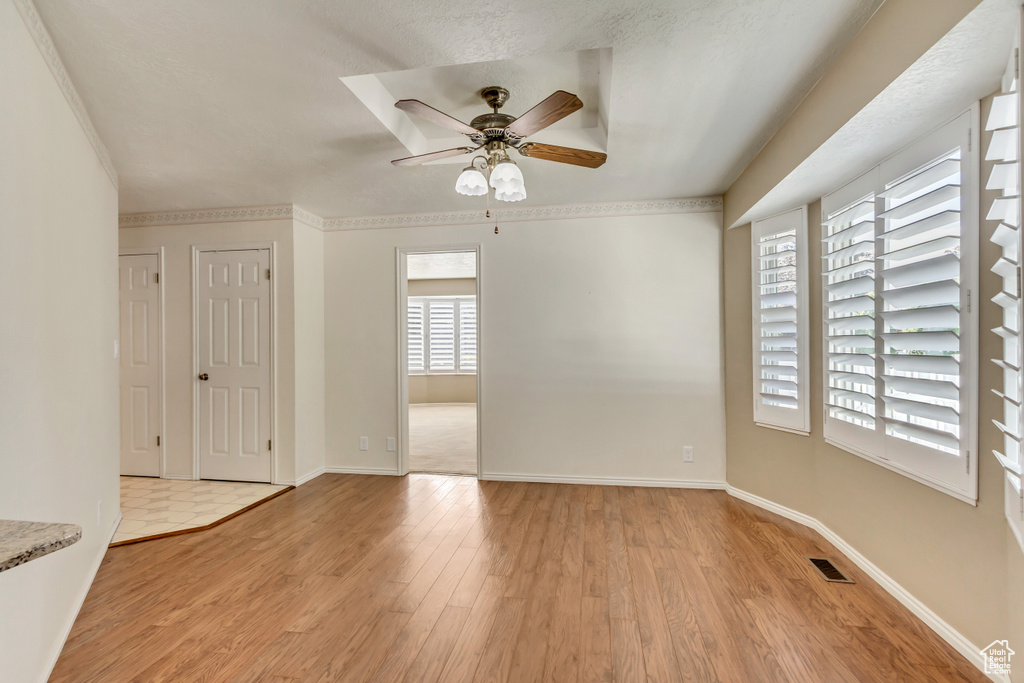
(1004, 123)
(417, 336)
(848, 271)
(441, 314)
(899, 248)
(780, 328)
(467, 335)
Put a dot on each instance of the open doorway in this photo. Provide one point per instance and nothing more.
(440, 393)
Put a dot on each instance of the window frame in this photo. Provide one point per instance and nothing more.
(931, 467)
(457, 343)
(794, 420)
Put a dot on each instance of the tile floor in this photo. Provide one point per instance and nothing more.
(156, 506)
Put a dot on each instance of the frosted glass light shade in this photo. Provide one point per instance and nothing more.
(511, 195)
(506, 177)
(471, 182)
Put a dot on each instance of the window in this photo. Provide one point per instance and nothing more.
(442, 335)
(779, 261)
(1003, 155)
(899, 248)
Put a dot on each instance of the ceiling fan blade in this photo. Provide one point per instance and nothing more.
(433, 156)
(565, 155)
(557, 106)
(434, 116)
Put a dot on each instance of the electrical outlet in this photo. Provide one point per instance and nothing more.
(99, 513)
(687, 453)
(391, 444)
(364, 443)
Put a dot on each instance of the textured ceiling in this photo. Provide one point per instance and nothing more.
(238, 102)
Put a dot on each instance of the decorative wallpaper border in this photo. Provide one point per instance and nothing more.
(533, 213)
(232, 215)
(44, 42)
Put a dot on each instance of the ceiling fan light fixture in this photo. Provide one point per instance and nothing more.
(471, 182)
(506, 177)
(510, 195)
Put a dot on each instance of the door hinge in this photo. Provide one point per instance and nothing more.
(1016, 63)
(969, 136)
(158, 440)
(156, 278)
(1018, 282)
(268, 273)
(968, 462)
(968, 301)
(268, 445)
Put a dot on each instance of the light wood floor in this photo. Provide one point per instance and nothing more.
(431, 578)
(442, 438)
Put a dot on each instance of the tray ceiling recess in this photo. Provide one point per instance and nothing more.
(455, 90)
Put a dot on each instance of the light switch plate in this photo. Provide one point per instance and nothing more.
(391, 444)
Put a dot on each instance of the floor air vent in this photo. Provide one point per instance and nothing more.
(828, 570)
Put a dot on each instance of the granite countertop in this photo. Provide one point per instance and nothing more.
(21, 542)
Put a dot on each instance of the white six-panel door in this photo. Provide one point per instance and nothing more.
(140, 365)
(233, 305)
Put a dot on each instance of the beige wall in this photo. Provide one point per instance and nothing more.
(309, 350)
(453, 287)
(297, 380)
(442, 388)
(59, 414)
(899, 33)
(950, 555)
(594, 361)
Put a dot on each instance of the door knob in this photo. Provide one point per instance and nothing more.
(203, 376)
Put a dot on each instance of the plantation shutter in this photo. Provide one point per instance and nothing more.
(467, 335)
(779, 260)
(848, 246)
(442, 321)
(899, 248)
(417, 335)
(1004, 153)
(921, 318)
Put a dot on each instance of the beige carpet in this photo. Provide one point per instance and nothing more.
(442, 438)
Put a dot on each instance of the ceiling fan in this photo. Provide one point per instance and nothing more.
(496, 132)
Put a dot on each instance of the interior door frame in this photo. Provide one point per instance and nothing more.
(402, 307)
(162, 389)
(197, 250)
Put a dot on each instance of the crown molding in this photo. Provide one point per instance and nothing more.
(534, 213)
(232, 215)
(43, 41)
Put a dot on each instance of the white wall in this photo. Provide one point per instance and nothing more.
(58, 376)
(176, 280)
(600, 346)
(309, 351)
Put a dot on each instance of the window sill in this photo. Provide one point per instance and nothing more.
(898, 469)
(789, 430)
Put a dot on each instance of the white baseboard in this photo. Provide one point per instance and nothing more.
(81, 598)
(413, 405)
(603, 481)
(178, 477)
(330, 469)
(956, 639)
(309, 476)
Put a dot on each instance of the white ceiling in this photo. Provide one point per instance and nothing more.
(239, 102)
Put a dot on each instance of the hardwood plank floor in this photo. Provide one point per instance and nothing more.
(436, 578)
